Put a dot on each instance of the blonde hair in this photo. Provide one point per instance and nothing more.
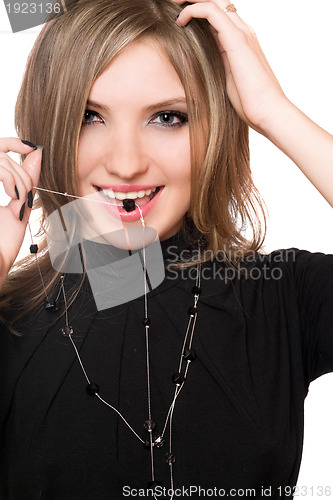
(72, 50)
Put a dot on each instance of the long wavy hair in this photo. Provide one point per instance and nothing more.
(71, 51)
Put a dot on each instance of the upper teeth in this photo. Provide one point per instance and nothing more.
(131, 194)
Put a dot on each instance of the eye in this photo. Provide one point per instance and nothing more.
(170, 119)
(90, 118)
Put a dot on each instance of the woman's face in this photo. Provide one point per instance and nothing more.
(135, 138)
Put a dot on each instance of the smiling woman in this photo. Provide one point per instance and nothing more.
(142, 108)
(132, 151)
(212, 147)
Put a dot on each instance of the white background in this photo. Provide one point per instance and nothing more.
(297, 38)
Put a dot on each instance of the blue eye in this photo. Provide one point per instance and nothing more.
(170, 118)
(89, 116)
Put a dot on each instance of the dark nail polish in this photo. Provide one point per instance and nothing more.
(176, 17)
(28, 143)
(30, 199)
(17, 193)
(22, 212)
(40, 147)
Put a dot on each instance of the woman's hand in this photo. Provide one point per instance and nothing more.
(252, 87)
(17, 181)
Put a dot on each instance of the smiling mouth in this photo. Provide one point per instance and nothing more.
(140, 198)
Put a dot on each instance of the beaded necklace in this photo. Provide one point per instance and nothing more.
(187, 356)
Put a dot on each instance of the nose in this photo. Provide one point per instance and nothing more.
(126, 156)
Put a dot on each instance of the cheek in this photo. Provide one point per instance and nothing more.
(175, 158)
(86, 157)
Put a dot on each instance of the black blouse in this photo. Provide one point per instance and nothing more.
(261, 337)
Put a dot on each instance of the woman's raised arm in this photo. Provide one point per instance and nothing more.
(258, 97)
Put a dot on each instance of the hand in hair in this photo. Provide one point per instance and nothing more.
(17, 181)
(252, 87)
(257, 96)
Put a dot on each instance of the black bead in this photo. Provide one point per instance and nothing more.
(177, 378)
(193, 311)
(170, 458)
(92, 389)
(152, 485)
(146, 444)
(196, 290)
(159, 442)
(51, 305)
(129, 204)
(149, 425)
(33, 248)
(189, 354)
(146, 321)
(67, 331)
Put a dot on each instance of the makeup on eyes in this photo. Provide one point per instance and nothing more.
(180, 115)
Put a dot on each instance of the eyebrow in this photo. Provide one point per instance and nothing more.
(163, 104)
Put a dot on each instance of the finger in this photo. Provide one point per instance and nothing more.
(15, 145)
(32, 165)
(16, 206)
(25, 175)
(221, 5)
(10, 179)
(222, 23)
(22, 178)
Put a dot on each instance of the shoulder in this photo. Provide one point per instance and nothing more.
(291, 262)
(288, 271)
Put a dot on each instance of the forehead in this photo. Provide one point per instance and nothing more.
(141, 69)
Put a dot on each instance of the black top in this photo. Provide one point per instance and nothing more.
(260, 338)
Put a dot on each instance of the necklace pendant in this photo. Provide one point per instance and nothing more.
(33, 248)
(189, 354)
(152, 485)
(193, 311)
(159, 442)
(178, 379)
(67, 331)
(170, 458)
(149, 425)
(51, 305)
(146, 321)
(146, 444)
(92, 389)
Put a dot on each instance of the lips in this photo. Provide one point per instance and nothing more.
(115, 205)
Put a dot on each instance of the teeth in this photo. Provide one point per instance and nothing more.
(131, 195)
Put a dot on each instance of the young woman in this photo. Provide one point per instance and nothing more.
(199, 381)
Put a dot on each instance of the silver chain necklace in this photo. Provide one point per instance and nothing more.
(187, 355)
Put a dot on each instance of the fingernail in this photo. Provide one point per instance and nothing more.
(40, 147)
(176, 17)
(17, 193)
(22, 212)
(28, 143)
(30, 199)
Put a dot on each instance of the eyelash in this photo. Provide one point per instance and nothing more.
(183, 117)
